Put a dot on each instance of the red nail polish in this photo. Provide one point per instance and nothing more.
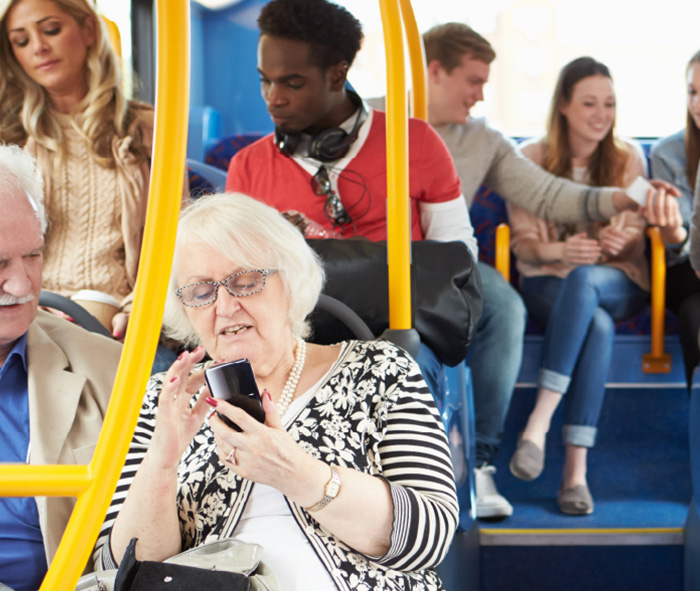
(173, 379)
(117, 334)
(266, 393)
(181, 356)
(211, 401)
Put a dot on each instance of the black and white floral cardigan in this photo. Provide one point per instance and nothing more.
(373, 413)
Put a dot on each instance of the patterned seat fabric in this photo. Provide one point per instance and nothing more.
(198, 184)
(221, 152)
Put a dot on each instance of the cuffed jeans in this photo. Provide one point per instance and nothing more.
(580, 312)
(494, 358)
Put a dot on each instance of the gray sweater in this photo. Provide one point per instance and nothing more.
(484, 155)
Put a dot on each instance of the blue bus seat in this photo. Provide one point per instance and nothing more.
(204, 129)
(220, 153)
(204, 179)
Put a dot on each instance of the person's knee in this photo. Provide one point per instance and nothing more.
(602, 327)
(583, 277)
(504, 309)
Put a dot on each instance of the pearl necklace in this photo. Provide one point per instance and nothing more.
(290, 387)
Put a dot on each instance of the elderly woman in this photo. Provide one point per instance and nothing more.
(348, 484)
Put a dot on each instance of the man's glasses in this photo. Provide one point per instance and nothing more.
(333, 209)
(239, 285)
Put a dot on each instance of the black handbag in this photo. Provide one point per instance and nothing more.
(136, 575)
(446, 292)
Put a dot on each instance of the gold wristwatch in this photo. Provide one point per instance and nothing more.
(330, 492)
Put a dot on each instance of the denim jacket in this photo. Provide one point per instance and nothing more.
(668, 163)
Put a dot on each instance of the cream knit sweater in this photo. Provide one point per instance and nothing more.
(96, 214)
(84, 243)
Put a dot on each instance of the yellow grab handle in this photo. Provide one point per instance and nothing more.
(503, 250)
(398, 215)
(657, 361)
(419, 96)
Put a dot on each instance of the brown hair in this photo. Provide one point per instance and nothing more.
(606, 166)
(449, 42)
(692, 136)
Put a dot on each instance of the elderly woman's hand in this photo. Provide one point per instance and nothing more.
(177, 423)
(266, 453)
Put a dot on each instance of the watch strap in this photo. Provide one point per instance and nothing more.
(330, 491)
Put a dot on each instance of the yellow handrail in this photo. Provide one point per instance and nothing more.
(95, 484)
(419, 95)
(657, 361)
(502, 258)
(398, 214)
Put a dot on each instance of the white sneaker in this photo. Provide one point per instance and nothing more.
(489, 503)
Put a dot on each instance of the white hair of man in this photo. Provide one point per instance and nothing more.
(18, 169)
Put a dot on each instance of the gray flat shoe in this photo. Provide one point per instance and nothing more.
(527, 462)
(576, 500)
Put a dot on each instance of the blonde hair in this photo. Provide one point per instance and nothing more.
(692, 136)
(251, 235)
(606, 166)
(102, 114)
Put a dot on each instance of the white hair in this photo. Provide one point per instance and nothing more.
(252, 235)
(18, 169)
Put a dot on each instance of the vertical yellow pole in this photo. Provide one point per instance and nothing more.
(398, 212)
(167, 172)
(657, 361)
(419, 95)
(502, 261)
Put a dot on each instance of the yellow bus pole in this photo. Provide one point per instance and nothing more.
(165, 191)
(398, 212)
(419, 94)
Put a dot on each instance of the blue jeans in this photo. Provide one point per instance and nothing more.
(494, 358)
(580, 312)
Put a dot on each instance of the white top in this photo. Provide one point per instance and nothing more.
(267, 521)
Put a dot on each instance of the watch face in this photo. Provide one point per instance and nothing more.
(333, 488)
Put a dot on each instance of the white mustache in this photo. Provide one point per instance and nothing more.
(10, 300)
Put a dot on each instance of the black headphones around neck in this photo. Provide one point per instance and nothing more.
(328, 145)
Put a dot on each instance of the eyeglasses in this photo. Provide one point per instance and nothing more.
(333, 209)
(239, 285)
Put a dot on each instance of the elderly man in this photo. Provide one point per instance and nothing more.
(55, 378)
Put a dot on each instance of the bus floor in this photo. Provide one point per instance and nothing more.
(639, 476)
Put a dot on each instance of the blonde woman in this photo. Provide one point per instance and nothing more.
(578, 280)
(60, 97)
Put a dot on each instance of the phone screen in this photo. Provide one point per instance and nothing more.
(235, 382)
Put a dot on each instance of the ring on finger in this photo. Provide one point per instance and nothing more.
(231, 457)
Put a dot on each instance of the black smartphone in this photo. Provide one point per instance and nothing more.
(235, 382)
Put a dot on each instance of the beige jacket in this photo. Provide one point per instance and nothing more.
(71, 373)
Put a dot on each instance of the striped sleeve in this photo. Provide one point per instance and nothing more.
(416, 463)
(137, 450)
